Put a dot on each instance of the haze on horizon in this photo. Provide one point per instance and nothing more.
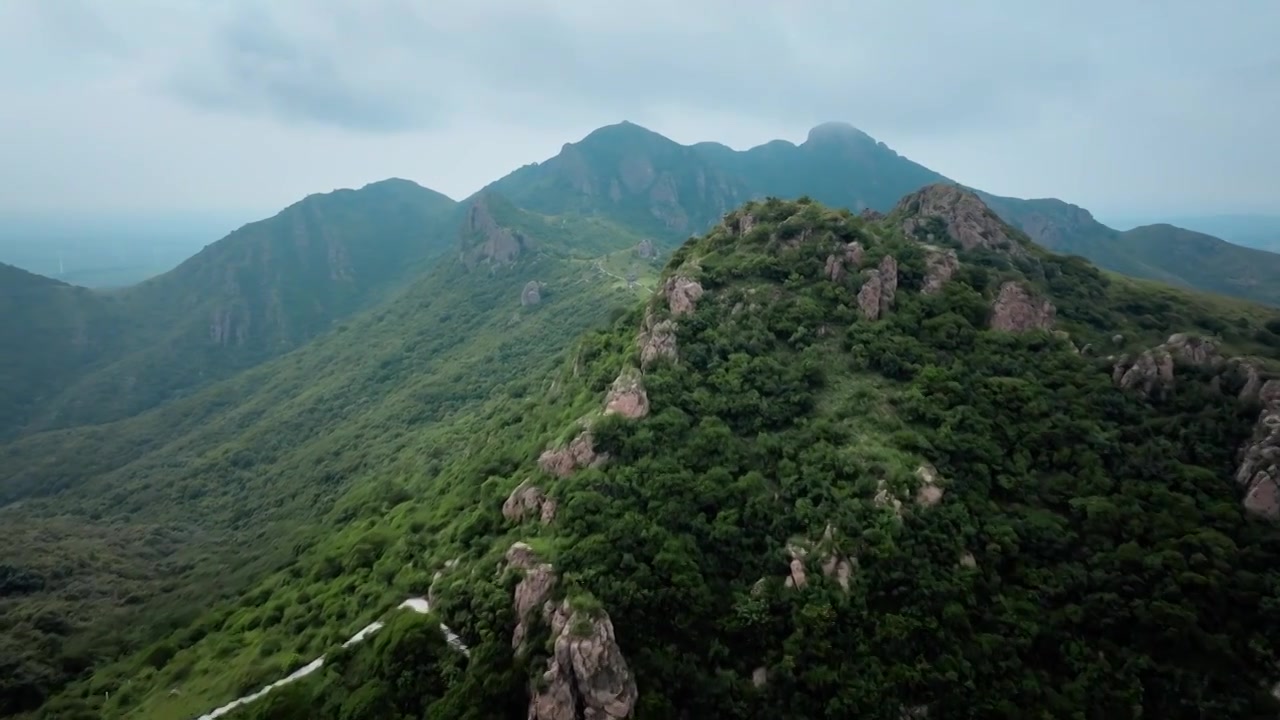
(244, 107)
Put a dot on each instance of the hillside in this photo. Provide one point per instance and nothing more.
(132, 529)
(639, 177)
(832, 466)
(263, 290)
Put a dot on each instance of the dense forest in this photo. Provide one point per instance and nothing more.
(834, 466)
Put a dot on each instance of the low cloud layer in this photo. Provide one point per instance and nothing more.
(238, 104)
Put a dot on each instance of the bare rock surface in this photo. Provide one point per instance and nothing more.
(879, 290)
(528, 500)
(587, 677)
(940, 266)
(968, 220)
(1259, 468)
(627, 396)
(1017, 310)
(579, 453)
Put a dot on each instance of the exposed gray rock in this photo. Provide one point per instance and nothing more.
(527, 500)
(682, 294)
(495, 244)
(657, 340)
(579, 453)
(840, 263)
(930, 491)
(1152, 371)
(879, 289)
(1016, 309)
(1259, 469)
(968, 220)
(627, 397)
(587, 678)
(532, 293)
(940, 266)
(645, 250)
(533, 590)
(796, 577)
(760, 676)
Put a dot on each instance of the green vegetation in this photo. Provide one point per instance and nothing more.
(74, 356)
(248, 506)
(1089, 553)
(186, 504)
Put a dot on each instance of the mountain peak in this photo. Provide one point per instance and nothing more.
(837, 131)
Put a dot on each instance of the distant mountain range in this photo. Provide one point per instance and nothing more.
(208, 477)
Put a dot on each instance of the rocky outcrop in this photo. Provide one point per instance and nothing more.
(227, 326)
(645, 250)
(657, 340)
(492, 242)
(537, 581)
(587, 678)
(968, 220)
(627, 396)
(929, 492)
(526, 501)
(834, 564)
(796, 577)
(1152, 372)
(1259, 469)
(871, 215)
(841, 262)
(532, 293)
(740, 222)
(1016, 309)
(579, 453)
(682, 294)
(879, 289)
(939, 267)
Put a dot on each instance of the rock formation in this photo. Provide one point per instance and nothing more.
(879, 289)
(532, 293)
(493, 243)
(968, 220)
(834, 564)
(930, 491)
(587, 677)
(1152, 371)
(940, 266)
(627, 397)
(1017, 310)
(533, 590)
(842, 261)
(657, 340)
(1259, 469)
(528, 500)
(579, 453)
(682, 294)
(645, 250)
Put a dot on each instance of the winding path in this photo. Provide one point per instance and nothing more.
(416, 604)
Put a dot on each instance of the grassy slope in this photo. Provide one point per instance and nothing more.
(246, 470)
(434, 496)
(272, 285)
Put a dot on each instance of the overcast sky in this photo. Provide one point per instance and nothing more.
(1123, 107)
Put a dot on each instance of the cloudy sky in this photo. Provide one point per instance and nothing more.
(147, 105)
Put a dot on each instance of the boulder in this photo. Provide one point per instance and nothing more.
(1016, 309)
(930, 491)
(682, 294)
(587, 677)
(657, 340)
(1258, 471)
(579, 453)
(940, 266)
(879, 289)
(528, 500)
(532, 293)
(627, 396)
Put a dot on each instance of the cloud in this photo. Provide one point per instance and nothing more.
(1111, 105)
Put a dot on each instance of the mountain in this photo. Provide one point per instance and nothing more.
(639, 177)
(357, 401)
(751, 488)
(1256, 231)
(261, 291)
(192, 501)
